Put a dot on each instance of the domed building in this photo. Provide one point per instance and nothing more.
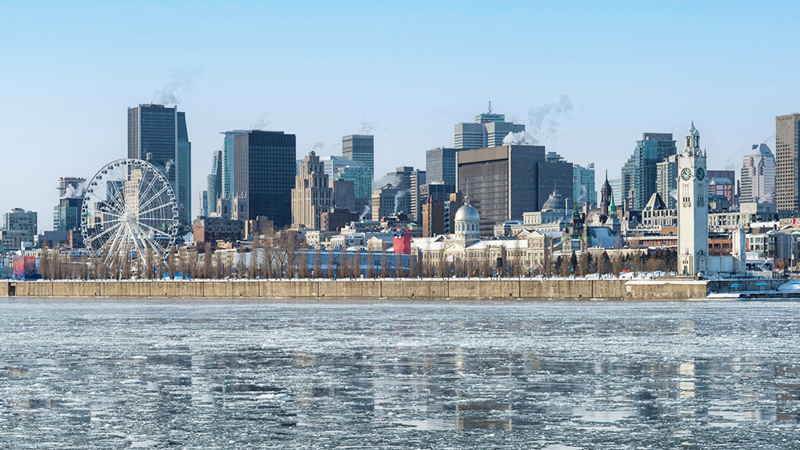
(554, 203)
(467, 223)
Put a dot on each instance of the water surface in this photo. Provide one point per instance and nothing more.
(185, 374)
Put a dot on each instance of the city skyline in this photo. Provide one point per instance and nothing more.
(588, 108)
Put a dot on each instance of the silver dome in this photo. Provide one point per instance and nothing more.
(554, 203)
(468, 213)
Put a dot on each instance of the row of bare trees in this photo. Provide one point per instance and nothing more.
(286, 258)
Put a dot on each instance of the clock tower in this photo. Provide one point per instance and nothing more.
(692, 207)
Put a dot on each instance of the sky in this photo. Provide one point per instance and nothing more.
(587, 78)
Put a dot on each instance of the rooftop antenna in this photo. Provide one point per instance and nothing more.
(490, 106)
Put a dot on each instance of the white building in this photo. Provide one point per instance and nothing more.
(758, 176)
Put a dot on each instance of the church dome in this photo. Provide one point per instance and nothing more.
(467, 213)
(554, 203)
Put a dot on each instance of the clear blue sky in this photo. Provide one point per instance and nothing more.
(410, 70)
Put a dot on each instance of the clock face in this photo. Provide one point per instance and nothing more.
(701, 173)
(686, 174)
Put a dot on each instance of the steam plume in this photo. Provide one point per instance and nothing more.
(544, 120)
(261, 123)
(181, 80)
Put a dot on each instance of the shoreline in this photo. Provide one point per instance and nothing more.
(509, 290)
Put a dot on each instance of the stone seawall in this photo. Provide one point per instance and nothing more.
(392, 289)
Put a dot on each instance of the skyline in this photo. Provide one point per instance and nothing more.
(411, 73)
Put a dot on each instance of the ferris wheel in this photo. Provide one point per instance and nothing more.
(129, 207)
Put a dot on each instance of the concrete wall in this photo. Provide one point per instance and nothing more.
(76, 288)
(608, 289)
(556, 289)
(429, 289)
(34, 288)
(422, 289)
(290, 289)
(665, 290)
(352, 290)
(123, 289)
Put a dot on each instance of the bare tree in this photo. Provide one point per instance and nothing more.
(125, 272)
(114, 267)
(240, 267)
(266, 261)
(302, 265)
(413, 266)
(317, 264)
(343, 264)
(255, 251)
(486, 263)
(370, 264)
(329, 265)
(442, 269)
(227, 266)
(83, 267)
(459, 268)
(207, 260)
(43, 268)
(384, 264)
(149, 263)
(194, 263)
(398, 265)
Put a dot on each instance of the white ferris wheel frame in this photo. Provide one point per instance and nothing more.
(126, 231)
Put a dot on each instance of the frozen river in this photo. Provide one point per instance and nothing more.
(540, 375)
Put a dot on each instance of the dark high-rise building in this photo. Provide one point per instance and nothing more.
(214, 181)
(505, 182)
(183, 172)
(787, 162)
(554, 175)
(263, 172)
(360, 147)
(161, 132)
(440, 164)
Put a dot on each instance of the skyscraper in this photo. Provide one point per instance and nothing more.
(227, 163)
(640, 172)
(183, 172)
(264, 171)
(161, 132)
(505, 182)
(787, 162)
(440, 165)
(417, 179)
(583, 187)
(214, 181)
(311, 194)
(360, 147)
(203, 204)
(67, 212)
(488, 130)
(667, 181)
(758, 176)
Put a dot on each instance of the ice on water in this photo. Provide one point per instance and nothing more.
(540, 375)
